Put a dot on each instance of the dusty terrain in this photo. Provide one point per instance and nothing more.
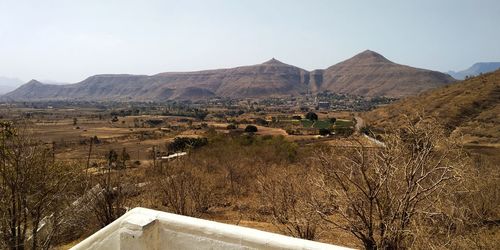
(469, 109)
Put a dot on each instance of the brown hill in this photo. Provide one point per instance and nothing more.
(272, 78)
(470, 108)
(365, 74)
(371, 74)
(268, 79)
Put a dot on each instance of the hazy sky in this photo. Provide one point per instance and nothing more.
(70, 40)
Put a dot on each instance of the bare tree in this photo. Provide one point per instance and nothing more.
(32, 189)
(185, 191)
(380, 191)
(176, 193)
(286, 195)
(123, 158)
(107, 199)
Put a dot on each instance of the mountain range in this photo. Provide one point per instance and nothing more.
(367, 74)
(476, 69)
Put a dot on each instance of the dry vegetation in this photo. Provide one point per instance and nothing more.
(469, 108)
(422, 190)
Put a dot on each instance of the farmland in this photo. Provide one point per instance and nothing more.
(148, 150)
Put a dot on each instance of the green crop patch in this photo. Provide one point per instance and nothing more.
(344, 123)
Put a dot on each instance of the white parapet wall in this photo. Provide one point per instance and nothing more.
(142, 228)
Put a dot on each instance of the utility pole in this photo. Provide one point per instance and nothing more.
(53, 152)
(88, 156)
(161, 165)
(154, 157)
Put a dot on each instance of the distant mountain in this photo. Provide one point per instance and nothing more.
(367, 74)
(476, 69)
(469, 108)
(371, 74)
(272, 78)
(8, 84)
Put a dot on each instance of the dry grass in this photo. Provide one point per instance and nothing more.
(469, 108)
(246, 158)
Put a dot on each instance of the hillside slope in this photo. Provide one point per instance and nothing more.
(371, 74)
(470, 108)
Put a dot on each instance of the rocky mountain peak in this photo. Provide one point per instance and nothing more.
(369, 56)
(273, 61)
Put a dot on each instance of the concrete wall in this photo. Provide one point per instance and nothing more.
(143, 228)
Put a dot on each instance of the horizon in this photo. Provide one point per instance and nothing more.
(48, 81)
(52, 82)
(57, 41)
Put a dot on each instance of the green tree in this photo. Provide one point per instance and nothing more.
(185, 143)
(343, 131)
(324, 131)
(251, 129)
(311, 116)
(261, 122)
(232, 126)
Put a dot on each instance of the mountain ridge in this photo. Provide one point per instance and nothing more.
(271, 78)
(475, 69)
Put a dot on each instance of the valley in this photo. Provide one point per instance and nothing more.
(229, 154)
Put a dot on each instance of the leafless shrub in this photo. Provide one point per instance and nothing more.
(185, 191)
(469, 217)
(286, 196)
(382, 194)
(106, 199)
(33, 190)
(176, 193)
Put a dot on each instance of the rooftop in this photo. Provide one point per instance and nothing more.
(142, 228)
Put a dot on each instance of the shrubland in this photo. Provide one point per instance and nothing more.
(421, 190)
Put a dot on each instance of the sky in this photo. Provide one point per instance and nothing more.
(70, 40)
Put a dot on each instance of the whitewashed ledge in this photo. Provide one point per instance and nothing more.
(142, 228)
